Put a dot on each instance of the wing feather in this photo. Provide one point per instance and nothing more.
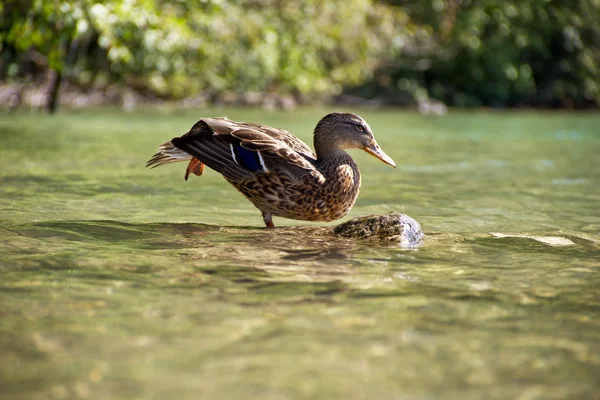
(270, 146)
(209, 139)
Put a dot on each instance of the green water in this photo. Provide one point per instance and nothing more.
(120, 282)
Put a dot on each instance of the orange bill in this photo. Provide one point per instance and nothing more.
(376, 151)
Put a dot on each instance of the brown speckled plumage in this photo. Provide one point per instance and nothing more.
(276, 171)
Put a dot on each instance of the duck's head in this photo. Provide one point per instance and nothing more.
(341, 131)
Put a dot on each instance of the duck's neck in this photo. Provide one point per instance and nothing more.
(333, 163)
(327, 150)
(330, 155)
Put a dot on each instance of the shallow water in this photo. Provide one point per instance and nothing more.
(120, 282)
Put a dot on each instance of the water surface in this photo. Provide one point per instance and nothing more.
(120, 282)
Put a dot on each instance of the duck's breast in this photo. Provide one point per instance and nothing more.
(305, 198)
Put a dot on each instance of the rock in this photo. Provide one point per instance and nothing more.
(392, 226)
(267, 100)
(549, 240)
(432, 107)
(356, 101)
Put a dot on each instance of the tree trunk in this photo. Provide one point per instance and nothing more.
(55, 78)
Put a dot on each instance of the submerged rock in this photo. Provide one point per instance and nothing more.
(392, 226)
(549, 240)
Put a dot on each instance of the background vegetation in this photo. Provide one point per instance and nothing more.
(543, 53)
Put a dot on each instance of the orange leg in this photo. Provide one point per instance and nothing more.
(268, 218)
(195, 167)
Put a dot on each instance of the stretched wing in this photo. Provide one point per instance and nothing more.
(270, 143)
(237, 149)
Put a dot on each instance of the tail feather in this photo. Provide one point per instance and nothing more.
(214, 152)
(213, 158)
(167, 154)
(201, 146)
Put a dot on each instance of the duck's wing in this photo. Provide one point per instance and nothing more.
(275, 146)
(285, 137)
(237, 150)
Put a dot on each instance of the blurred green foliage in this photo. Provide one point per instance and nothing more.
(182, 47)
(504, 53)
(469, 53)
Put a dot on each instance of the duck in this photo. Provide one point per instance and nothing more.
(277, 172)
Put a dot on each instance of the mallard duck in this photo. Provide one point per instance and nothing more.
(275, 170)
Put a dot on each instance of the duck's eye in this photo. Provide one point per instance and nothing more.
(360, 128)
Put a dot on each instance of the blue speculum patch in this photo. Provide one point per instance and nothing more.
(247, 158)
